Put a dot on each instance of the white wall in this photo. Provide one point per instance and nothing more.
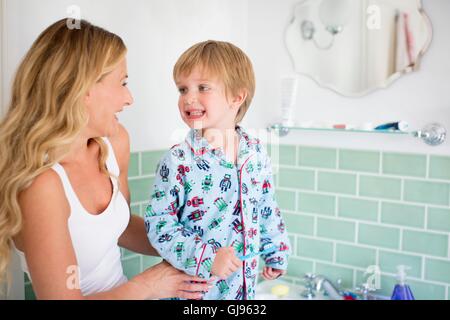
(2, 54)
(418, 98)
(157, 32)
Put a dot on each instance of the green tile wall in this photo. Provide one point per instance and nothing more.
(345, 210)
(368, 208)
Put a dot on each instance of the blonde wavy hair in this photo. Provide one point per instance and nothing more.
(47, 112)
(225, 61)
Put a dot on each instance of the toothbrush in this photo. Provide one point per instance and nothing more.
(255, 254)
(400, 126)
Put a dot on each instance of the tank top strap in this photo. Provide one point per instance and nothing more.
(111, 161)
(68, 190)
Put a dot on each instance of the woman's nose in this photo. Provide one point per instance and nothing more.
(129, 99)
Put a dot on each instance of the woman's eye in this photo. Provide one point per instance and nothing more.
(124, 84)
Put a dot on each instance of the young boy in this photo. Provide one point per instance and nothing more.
(213, 203)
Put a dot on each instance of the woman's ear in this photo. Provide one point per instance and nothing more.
(239, 99)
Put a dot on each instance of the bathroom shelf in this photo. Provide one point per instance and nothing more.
(432, 134)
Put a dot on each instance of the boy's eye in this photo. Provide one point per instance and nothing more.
(182, 90)
(203, 88)
(124, 84)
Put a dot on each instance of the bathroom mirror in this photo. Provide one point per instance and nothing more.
(356, 46)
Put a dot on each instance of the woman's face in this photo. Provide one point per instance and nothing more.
(105, 99)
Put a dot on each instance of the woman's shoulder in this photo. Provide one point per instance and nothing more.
(44, 201)
(46, 187)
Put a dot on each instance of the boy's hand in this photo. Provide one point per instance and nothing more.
(270, 273)
(225, 263)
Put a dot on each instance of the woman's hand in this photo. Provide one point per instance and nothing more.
(164, 281)
(270, 273)
(225, 263)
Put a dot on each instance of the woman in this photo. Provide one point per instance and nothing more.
(64, 198)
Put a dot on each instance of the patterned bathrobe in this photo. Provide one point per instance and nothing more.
(201, 202)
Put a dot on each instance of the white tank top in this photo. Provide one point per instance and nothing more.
(95, 237)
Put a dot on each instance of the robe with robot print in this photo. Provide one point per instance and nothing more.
(201, 202)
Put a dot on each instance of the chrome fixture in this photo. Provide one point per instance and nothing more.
(432, 134)
(334, 14)
(316, 283)
(309, 292)
(328, 287)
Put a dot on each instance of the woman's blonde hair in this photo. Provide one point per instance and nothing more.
(225, 61)
(47, 111)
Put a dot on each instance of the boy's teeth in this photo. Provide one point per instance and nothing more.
(196, 113)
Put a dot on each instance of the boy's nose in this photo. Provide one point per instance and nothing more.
(190, 100)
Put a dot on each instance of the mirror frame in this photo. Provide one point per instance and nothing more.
(388, 82)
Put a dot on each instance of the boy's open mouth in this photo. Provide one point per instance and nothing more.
(195, 114)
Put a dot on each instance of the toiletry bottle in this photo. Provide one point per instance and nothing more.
(288, 98)
(401, 289)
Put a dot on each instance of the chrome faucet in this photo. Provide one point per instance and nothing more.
(332, 291)
(315, 283)
(310, 287)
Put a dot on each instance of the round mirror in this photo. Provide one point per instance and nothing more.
(356, 46)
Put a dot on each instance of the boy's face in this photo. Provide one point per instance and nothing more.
(203, 103)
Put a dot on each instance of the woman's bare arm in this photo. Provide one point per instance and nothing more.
(134, 238)
(51, 259)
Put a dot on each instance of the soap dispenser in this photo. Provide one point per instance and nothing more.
(401, 289)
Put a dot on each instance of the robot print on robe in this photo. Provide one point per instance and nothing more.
(202, 203)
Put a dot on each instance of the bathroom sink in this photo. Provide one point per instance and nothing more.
(264, 291)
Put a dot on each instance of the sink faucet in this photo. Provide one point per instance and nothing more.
(318, 282)
(309, 293)
(328, 286)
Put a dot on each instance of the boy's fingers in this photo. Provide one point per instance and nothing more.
(236, 262)
(266, 276)
(230, 250)
(232, 269)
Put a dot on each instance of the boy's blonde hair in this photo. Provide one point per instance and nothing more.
(224, 60)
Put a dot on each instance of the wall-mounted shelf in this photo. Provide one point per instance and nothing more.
(432, 134)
